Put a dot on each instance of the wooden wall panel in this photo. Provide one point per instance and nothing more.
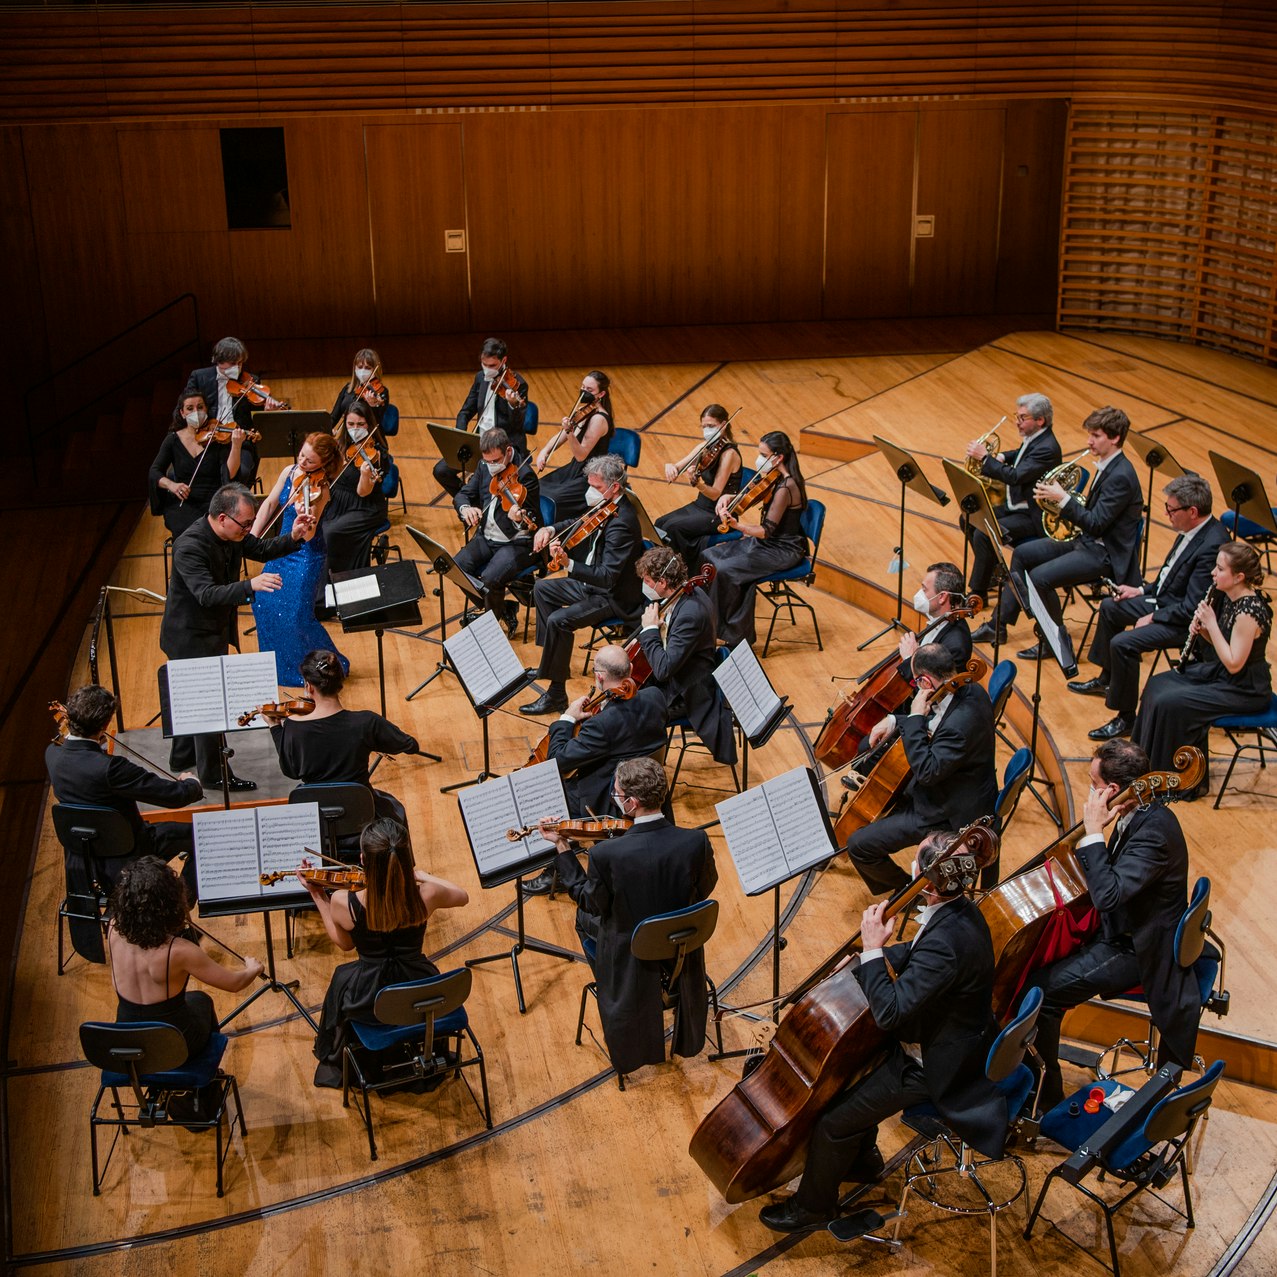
(21, 321)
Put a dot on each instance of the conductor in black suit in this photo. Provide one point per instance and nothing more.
(489, 409)
(937, 1013)
(1154, 614)
(680, 647)
(1019, 518)
(204, 595)
(81, 771)
(950, 746)
(653, 868)
(1138, 881)
(229, 357)
(600, 583)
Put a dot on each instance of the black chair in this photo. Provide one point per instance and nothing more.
(344, 810)
(1145, 1157)
(418, 1018)
(149, 1060)
(96, 840)
(668, 938)
(683, 725)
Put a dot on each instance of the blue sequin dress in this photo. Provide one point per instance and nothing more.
(285, 618)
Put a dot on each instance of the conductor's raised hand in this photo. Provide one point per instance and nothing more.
(303, 527)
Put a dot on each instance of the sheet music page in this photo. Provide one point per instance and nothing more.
(227, 863)
(800, 820)
(467, 656)
(284, 833)
(749, 693)
(504, 662)
(356, 590)
(752, 840)
(251, 680)
(197, 695)
(488, 810)
(538, 795)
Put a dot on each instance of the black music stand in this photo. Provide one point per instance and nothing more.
(1246, 495)
(1157, 457)
(443, 565)
(458, 448)
(284, 430)
(102, 618)
(909, 472)
(1054, 638)
(646, 526)
(973, 500)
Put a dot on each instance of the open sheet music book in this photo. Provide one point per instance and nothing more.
(512, 802)
(209, 693)
(751, 696)
(485, 662)
(234, 848)
(776, 829)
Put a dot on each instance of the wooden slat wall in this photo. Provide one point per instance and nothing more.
(116, 63)
(1170, 227)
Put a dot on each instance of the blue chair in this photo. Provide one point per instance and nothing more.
(149, 1059)
(1016, 776)
(1001, 685)
(416, 1020)
(720, 538)
(947, 1155)
(382, 546)
(628, 445)
(521, 587)
(531, 418)
(1263, 724)
(778, 590)
(389, 420)
(1253, 533)
(1143, 1157)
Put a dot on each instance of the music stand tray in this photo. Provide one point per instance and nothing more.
(284, 430)
(646, 526)
(1155, 455)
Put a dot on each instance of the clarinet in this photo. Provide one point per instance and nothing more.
(1186, 652)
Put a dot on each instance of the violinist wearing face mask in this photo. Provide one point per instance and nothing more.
(713, 468)
(365, 386)
(357, 504)
(586, 433)
(501, 502)
(940, 592)
(230, 356)
(186, 472)
(491, 404)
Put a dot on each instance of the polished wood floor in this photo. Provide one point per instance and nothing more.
(575, 1174)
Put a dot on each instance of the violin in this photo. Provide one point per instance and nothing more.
(584, 409)
(582, 530)
(506, 384)
(256, 392)
(307, 488)
(707, 454)
(593, 830)
(512, 492)
(372, 392)
(215, 432)
(754, 492)
(296, 708)
(62, 721)
(882, 691)
(594, 702)
(640, 668)
(351, 879)
(364, 453)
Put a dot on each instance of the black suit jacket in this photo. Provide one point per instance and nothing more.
(474, 492)
(203, 381)
(653, 868)
(954, 780)
(1111, 515)
(509, 418)
(955, 638)
(684, 666)
(620, 730)
(1040, 454)
(1139, 883)
(1190, 577)
(941, 999)
(206, 590)
(619, 546)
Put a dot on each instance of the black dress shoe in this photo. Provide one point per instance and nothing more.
(545, 704)
(1032, 653)
(988, 633)
(1119, 726)
(540, 885)
(511, 619)
(789, 1217)
(1091, 687)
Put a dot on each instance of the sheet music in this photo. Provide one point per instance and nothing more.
(233, 848)
(483, 658)
(775, 830)
(208, 693)
(749, 693)
(510, 802)
(251, 680)
(354, 591)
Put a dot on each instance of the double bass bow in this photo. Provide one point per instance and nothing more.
(756, 1137)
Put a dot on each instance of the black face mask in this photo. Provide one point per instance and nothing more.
(587, 397)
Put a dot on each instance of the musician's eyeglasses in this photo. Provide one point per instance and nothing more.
(1175, 509)
(248, 527)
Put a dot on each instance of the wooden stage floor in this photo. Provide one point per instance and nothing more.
(575, 1174)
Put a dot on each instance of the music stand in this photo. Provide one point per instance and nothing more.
(443, 565)
(909, 472)
(284, 430)
(646, 526)
(973, 500)
(1156, 456)
(1246, 495)
(1056, 639)
(754, 702)
(458, 448)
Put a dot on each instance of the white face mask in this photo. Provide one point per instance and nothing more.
(489, 374)
(196, 419)
(649, 593)
(495, 467)
(760, 461)
(709, 432)
(922, 603)
(593, 497)
(357, 433)
(232, 373)
(363, 374)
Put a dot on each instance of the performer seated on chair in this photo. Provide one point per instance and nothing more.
(1108, 523)
(1154, 614)
(153, 958)
(600, 583)
(586, 434)
(331, 744)
(81, 771)
(940, 592)
(1139, 884)
(651, 869)
(364, 374)
(230, 356)
(937, 1013)
(357, 506)
(489, 409)
(501, 545)
(1020, 518)
(680, 648)
(385, 924)
(950, 750)
(688, 529)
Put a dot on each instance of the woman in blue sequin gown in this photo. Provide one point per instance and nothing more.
(285, 617)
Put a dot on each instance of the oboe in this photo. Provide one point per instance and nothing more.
(1186, 652)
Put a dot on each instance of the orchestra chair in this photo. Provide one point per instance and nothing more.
(417, 1020)
(95, 841)
(531, 418)
(382, 547)
(1014, 779)
(1192, 953)
(628, 445)
(148, 1061)
(1252, 533)
(520, 589)
(946, 1155)
(389, 420)
(1001, 685)
(683, 725)
(719, 538)
(667, 938)
(778, 590)
(1262, 724)
(1145, 1157)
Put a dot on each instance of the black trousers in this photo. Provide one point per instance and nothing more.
(1118, 646)
(447, 478)
(495, 564)
(870, 849)
(200, 754)
(1016, 526)
(563, 607)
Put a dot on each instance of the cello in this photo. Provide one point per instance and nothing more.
(881, 691)
(756, 1137)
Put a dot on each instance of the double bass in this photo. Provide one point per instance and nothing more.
(756, 1137)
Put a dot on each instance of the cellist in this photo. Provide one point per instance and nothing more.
(949, 746)
(1138, 881)
(937, 1011)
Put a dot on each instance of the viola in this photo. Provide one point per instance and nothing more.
(756, 1137)
(882, 691)
(582, 530)
(364, 453)
(215, 432)
(351, 879)
(640, 669)
(595, 829)
(594, 702)
(62, 721)
(583, 411)
(296, 708)
(753, 493)
(256, 392)
(512, 492)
